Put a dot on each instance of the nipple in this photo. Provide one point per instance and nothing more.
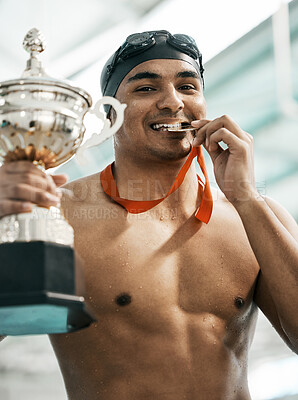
(123, 299)
(239, 302)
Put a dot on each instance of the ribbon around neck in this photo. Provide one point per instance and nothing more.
(204, 211)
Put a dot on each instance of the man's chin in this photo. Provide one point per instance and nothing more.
(172, 153)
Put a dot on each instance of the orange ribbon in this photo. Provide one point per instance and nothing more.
(136, 206)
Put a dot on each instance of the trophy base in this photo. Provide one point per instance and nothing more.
(45, 313)
(39, 290)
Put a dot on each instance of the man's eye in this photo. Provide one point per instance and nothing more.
(144, 89)
(187, 87)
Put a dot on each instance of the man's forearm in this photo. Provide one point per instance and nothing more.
(276, 251)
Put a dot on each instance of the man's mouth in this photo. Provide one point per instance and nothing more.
(171, 127)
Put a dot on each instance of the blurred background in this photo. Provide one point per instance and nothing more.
(250, 50)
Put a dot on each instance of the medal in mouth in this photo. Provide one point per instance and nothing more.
(178, 127)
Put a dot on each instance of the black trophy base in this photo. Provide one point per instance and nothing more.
(38, 290)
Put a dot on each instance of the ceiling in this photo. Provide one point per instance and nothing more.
(69, 26)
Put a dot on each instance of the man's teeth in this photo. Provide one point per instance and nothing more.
(164, 127)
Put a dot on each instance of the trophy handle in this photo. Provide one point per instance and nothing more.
(108, 130)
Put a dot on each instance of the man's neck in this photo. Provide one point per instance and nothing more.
(141, 180)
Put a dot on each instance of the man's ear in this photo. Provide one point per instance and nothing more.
(112, 115)
(109, 115)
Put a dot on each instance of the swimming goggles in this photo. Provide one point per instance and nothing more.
(139, 42)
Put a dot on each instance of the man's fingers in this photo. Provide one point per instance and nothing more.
(24, 192)
(23, 185)
(235, 144)
(199, 123)
(200, 134)
(60, 179)
(26, 172)
(206, 129)
(225, 122)
(41, 182)
(22, 166)
(8, 207)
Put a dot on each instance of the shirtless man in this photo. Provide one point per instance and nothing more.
(176, 298)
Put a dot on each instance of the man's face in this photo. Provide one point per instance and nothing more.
(159, 92)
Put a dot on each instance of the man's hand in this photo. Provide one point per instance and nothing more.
(234, 166)
(22, 185)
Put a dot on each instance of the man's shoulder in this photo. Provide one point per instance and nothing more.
(219, 199)
(223, 211)
(84, 203)
(86, 192)
(85, 180)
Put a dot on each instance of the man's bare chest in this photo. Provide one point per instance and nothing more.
(146, 267)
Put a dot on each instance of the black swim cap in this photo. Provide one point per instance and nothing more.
(141, 47)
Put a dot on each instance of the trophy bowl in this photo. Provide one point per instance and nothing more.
(41, 120)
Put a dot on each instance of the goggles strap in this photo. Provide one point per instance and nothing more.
(135, 206)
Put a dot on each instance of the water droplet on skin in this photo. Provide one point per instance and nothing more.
(214, 342)
(212, 325)
(110, 286)
(173, 217)
(117, 310)
(204, 319)
(161, 218)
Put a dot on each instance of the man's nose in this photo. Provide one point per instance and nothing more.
(170, 99)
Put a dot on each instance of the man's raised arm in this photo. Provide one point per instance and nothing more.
(272, 232)
(273, 236)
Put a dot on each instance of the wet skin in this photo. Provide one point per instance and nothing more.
(186, 315)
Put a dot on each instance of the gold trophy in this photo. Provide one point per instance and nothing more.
(41, 120)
